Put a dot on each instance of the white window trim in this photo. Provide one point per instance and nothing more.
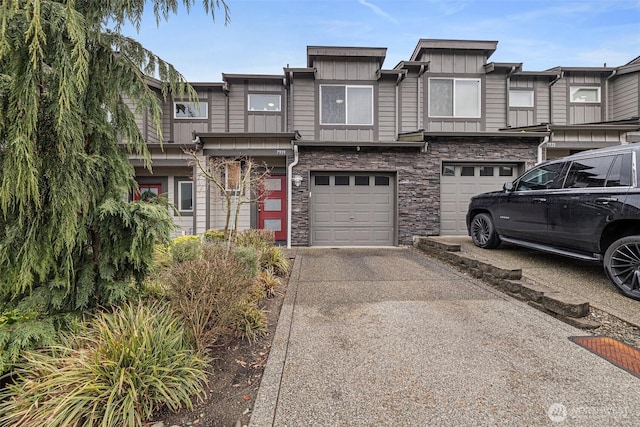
(206, 110)
(346, 113)
(180, 196)
(531, 103)
(573, 89)
(279, 109)
(453, 116)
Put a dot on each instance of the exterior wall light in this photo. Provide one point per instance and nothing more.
(297, 180)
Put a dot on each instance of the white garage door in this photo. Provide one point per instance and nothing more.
(352, 209)
(459, 182)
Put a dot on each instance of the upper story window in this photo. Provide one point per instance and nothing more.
(584, 94)
(264, 102)
(521, 98)
(346, 105)
(454, 97)
(190, 110)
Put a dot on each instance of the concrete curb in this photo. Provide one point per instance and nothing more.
(264, 408)
(567, 308)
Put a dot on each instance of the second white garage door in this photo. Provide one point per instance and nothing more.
(352, 209)
(459, 182)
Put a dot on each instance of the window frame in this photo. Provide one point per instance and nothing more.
(531, 99)
(200, 102)
(454, 80)
(179, 184)
(278, 108)
(574, 89)
(346, 104)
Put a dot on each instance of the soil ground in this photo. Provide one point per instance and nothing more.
(234, 379)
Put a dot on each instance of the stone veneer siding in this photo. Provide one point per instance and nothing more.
(417, 176)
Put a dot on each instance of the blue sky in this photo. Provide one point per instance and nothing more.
(266, 35)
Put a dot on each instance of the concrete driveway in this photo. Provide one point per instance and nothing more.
(586, 280)
(390, 337)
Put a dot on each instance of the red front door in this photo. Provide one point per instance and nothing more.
(272, 212)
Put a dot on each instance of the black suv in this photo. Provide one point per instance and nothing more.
(585, 206)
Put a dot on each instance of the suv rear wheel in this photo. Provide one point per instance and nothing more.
(622, 264)
(483, 233)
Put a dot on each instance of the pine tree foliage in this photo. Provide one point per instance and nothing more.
(67, 242)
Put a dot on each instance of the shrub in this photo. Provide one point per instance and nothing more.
(23, 330)
(215, 236)
(204, 292)
(186, 248)
(248, 257)
(113, 372)
(257, 239)
(249, 322)
(161, 256)
(274, 258)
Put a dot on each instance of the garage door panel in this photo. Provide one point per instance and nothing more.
(353, 214)
(322, 217)
(322, 236)
(341, 218)
(456, 191)
(382, 218)
(342, 199)
(361, 218)
(322, 198)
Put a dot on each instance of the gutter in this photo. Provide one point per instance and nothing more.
(290, 191)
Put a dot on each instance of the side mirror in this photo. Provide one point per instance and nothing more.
(508, 187)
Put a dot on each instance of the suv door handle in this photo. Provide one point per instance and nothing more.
(539, 200)
(606, 200)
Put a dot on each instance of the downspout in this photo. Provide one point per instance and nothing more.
(554, 81)
(542, 144)
(286, 101)
(606, 93)
(419, 106)
(508, 89)
(398, 80)
(290, 192)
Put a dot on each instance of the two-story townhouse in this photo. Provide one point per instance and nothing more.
(363, 155)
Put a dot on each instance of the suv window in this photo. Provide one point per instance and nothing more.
(605, 171)
(589, 172)
(620, 173)
(542, 178)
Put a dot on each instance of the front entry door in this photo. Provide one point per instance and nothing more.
(272, 209)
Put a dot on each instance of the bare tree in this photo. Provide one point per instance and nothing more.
(239, 180)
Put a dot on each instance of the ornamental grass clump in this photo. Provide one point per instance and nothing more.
(116, 371)
(249, 321)
(274, 258)
(269, 282)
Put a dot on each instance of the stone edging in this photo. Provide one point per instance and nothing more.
(567, 308)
